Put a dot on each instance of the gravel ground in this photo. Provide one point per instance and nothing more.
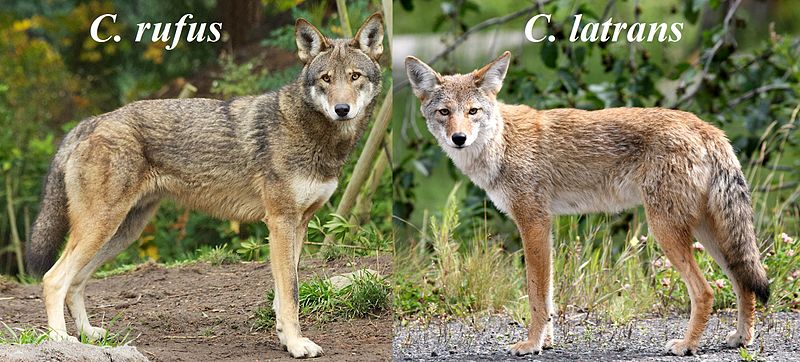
(585, 338)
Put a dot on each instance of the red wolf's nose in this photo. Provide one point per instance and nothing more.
(342, 109)
(459, 138)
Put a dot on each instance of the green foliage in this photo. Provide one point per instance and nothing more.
(236, 79)
(282, 37)
(349, 238)
(218, 255)
(252, 249)
(746, 355)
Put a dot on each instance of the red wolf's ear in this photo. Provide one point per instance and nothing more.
(310, 42)
(369, 38)
(490, 77)
(423, 78)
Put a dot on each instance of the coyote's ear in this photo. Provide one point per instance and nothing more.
(423, 78)
(490, 77)
(369, 37)
(310, 42)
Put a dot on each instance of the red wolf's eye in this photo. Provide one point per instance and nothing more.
(473, 111)
(326, 78)
(444, 111)
(355, 76)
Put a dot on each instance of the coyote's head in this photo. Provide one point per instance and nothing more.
(341, 76)
(460, 108)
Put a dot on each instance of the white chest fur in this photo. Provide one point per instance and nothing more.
(308, 191)
(499, 199)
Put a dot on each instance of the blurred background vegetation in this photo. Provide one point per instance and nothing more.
(737, 67)
(53, 75)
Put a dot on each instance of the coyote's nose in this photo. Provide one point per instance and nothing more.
(342, 109)
(459, 138)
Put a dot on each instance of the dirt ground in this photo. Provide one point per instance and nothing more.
(201, 312)
(582, 337)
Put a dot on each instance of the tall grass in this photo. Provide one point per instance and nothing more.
(598, 268)
(441, 275)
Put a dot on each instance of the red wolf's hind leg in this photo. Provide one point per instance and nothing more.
(675, 238)
(102, 181)
(128, 231)
(87, 237)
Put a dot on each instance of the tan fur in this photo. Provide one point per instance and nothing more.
(274, 158)
(536, 164)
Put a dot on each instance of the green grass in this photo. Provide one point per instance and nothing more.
(9, 335)
(321, 301)
(454, 280)
(21, 336)
(218, 255)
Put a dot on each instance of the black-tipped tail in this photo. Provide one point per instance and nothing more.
(729, 202)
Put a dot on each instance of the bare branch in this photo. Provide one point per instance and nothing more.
(754, 92)
(710, 55)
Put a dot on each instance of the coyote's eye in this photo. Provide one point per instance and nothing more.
(326, 78)
(355, 76)
(444, 111)
(473, 111)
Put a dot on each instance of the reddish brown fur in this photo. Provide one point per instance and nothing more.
(536, 164)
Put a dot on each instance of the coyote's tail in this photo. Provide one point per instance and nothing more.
(51, 224)
(729, 205)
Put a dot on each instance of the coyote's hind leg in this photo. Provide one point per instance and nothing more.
(675, 238)
(745, 298)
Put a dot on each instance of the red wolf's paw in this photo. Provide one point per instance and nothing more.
(679, 347)
(525, 347)
(56, 335)
(303, 347)
(94, 333)
(736, 339)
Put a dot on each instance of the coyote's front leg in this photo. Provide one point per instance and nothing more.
(534, 228)
(283, 237)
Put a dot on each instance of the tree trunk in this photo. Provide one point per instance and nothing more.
(239, 18)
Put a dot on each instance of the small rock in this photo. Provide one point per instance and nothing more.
(343, 280)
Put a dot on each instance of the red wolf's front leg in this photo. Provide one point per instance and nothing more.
(534, 228)
(283, 237)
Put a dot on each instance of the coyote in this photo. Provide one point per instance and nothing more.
(275, 157)
(535, 164)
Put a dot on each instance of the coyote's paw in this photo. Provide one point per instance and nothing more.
(524, 347)
(548, 337)
(680, 347)
(94, 333)
(55, 335)
(736, 339)
(303, 347)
